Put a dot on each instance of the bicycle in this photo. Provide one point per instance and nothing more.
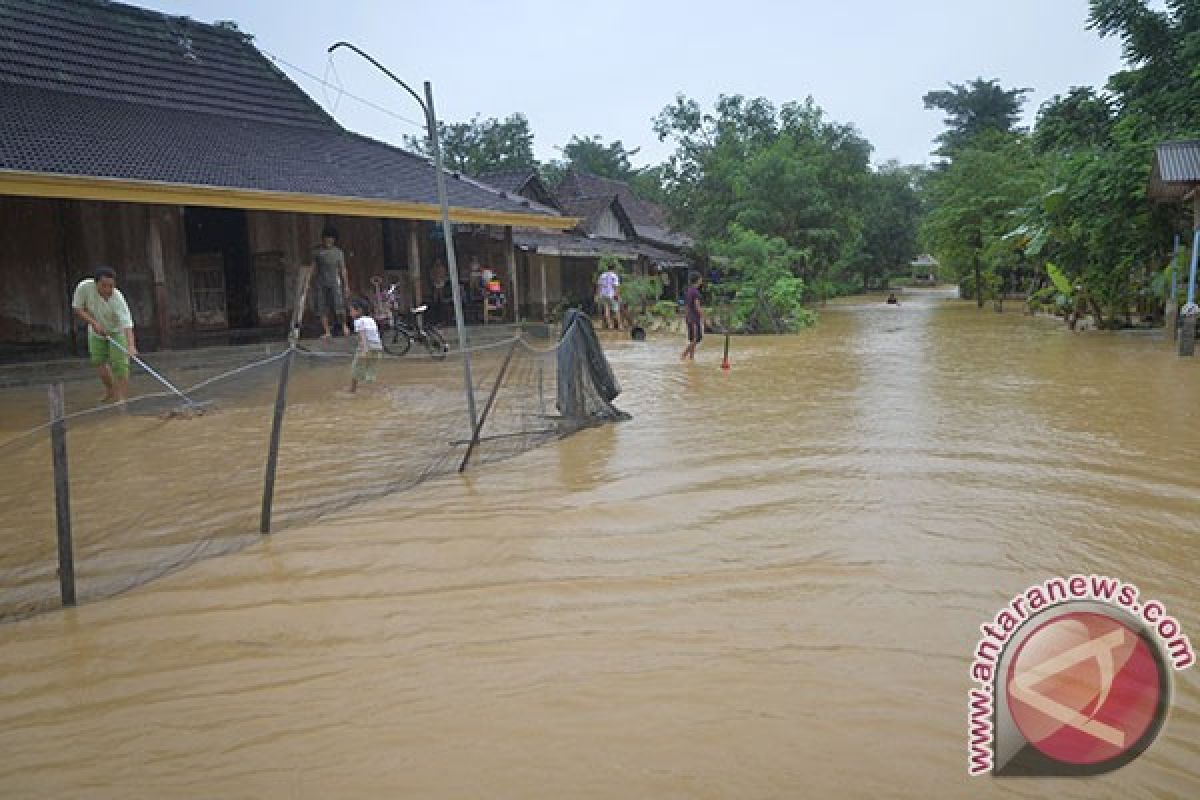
(403, 332)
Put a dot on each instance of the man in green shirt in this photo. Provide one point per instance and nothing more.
(100, 304)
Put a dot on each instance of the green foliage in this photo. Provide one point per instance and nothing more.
(1083, 118)
(666, 309)
(973, 203)
(482, 145)
(765, 296)
(640, 291)
(783, 172)
(1064, 212)
(974, 109)
(893, 210)
(1062, 283)
(590, 154)
(608, 262)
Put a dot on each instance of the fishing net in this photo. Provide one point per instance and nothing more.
(157, 485)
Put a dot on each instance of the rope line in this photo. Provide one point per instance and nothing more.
(341, 91)
(140, 398)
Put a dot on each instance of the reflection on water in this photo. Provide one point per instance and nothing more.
(767, 584)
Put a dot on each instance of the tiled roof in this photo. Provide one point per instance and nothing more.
(579, 246)
(512, 180)
(649, 219)
(582, 184)
(115, 51)
(526, 183)
(58, 133)
(1176, 169)
(96, 89)
(591, 209)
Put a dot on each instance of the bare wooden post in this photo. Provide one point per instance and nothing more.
(545, 303)
(414, 261)
(1187, 336)
(488, 406)
(154, 250)
(62, 494)
(276, 433)
(510, 255)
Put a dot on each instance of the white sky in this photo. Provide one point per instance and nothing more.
(607, 68)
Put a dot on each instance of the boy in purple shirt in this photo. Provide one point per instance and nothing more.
(694, 314)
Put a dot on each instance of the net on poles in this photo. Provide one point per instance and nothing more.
(155, 488)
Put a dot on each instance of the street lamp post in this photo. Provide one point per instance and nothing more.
(447, 229)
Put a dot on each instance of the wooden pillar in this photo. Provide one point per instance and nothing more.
(510, 254)
(414, 261)
(545, 302)
(154, 254)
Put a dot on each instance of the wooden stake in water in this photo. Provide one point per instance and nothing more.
(488, 406)
(62, 494)
(273, 448)
(725, 360)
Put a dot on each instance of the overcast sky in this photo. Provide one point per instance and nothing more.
(608, 67)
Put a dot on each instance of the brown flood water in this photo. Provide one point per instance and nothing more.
(767, 584)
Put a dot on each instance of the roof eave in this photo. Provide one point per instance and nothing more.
(80, 187)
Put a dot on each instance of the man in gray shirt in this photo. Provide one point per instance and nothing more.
(332, 280)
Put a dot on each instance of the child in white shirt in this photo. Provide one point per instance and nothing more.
(370, 346)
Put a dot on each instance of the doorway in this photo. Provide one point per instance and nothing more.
(218, 247)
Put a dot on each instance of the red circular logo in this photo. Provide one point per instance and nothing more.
(1084, 688)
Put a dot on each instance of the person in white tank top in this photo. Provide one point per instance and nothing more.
(370, 346)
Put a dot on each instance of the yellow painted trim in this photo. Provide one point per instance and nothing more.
(75, 187)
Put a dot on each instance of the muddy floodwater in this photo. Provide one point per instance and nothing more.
(768, 583)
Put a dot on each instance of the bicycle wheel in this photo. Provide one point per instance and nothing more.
(397, 342)
(435, 344)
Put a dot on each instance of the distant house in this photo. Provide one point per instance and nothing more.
(924, 269)
(561, 266)
(1175, 176)
(177, 153)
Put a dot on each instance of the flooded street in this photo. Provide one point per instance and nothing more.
(768, 583)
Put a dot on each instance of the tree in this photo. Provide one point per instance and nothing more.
(973, 202)
(482, 145)
(763, 291)
(784, 173)
(1084, 118)
(893, 213)
(975, 108)
(590, 154)
(1159, 87)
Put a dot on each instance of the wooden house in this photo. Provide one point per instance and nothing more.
(176, 153)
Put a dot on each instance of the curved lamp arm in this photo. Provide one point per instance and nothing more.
(385, 71)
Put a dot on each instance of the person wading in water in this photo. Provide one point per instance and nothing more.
(100, 304)
(694, 314)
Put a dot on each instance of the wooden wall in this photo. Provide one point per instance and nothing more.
(34, 304)
(48, 246)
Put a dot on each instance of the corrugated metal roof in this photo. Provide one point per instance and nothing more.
(1176, 169)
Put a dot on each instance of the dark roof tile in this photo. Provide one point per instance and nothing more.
(60, 133)
(115, 51)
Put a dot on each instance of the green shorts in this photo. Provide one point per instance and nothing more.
(364, 365)
(102, 351)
